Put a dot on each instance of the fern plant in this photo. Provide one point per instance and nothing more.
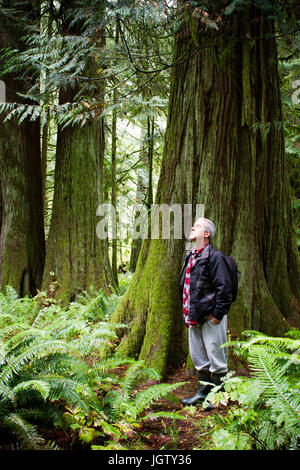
(57, 370)
(37, 374)
(125, 403)
(125, 407)
(268, 411)
(42, 366)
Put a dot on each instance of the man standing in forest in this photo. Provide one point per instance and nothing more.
(206, 293)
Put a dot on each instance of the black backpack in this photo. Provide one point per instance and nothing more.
(234, 274)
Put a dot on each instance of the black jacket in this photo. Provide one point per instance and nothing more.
(210, 285)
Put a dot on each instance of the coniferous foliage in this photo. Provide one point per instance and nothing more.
(63, 57)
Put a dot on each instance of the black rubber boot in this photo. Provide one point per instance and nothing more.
(216, 380)
(203, 390)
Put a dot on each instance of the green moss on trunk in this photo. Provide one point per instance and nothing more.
(151, 307)
(76, 259)
(22, 243)
(217, 153)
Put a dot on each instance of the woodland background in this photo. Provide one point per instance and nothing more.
(145, 102)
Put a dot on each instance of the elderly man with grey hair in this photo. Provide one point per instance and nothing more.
(206, 293)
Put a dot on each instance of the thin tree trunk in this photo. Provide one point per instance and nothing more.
(214, 156)
(114, 191)
(45, 137)
(22, 244)
(46, 130)
(142, 194)
(150, 159)
(113, 175)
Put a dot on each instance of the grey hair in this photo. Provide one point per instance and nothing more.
(209, 226)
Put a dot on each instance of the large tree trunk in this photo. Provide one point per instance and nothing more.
(214, 156)
(22, 244)
(76, 258)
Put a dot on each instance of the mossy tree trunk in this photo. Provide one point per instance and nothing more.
(214, 155)
(22, 242)
(76, 258)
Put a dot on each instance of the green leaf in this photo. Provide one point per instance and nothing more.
(224, 440)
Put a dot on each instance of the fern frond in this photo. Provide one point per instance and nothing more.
(135, 373)
(276, 386)
(41, 386)
(120, 406)
(22, 338)
(22, 430)
(104, 366)
(5, 393)
(35, 351)
(155, 392)
(274, 342)
(47, 413)
(73, 392)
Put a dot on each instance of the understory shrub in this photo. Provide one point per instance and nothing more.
(57, 372)
(266, 406)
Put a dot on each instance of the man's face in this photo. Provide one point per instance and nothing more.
(198, 232)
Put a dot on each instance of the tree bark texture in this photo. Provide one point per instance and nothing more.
(76, 258)
(224, 148)
(22, 244)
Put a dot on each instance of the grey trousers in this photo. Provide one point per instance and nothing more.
(204, 344)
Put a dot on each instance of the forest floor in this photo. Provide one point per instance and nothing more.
(193, 432)
(190, 433)
(163, 433)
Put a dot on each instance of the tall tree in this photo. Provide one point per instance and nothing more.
(114, 171)
(76, 259)
(144, 191)
(22, 244)
(224, 148)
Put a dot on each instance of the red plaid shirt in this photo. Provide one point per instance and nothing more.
(186, 288)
